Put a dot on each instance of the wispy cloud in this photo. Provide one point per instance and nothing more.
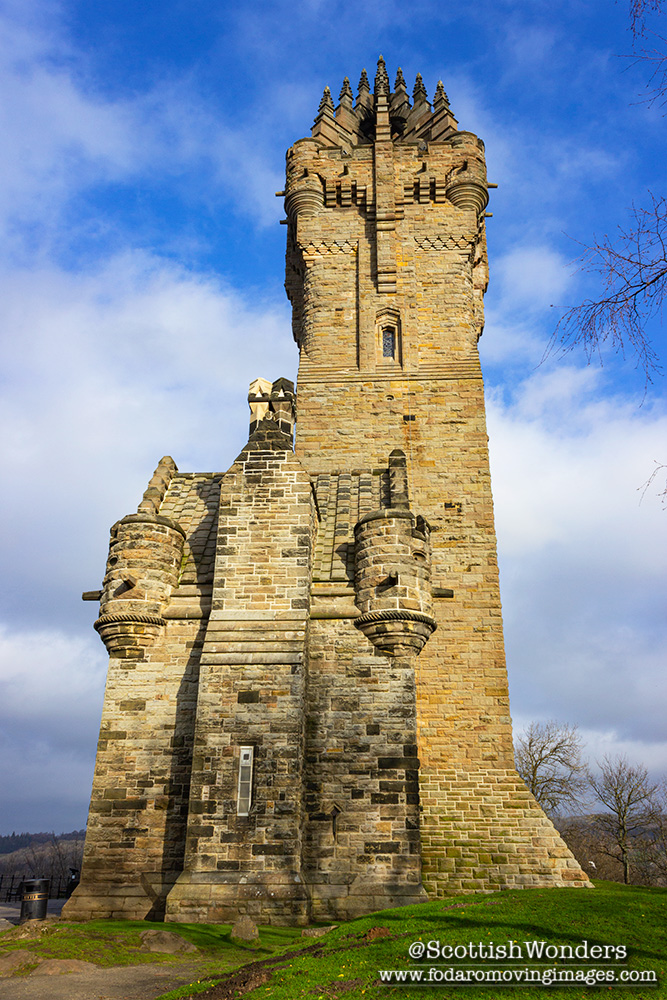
(114, 354)
(62, 138)
(106, 372)
(581, 574)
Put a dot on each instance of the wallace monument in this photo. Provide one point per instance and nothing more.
(306, 714)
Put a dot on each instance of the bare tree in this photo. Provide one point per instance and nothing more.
(626, 792)
(632, 263)
(656, 54)
(652, 861)
(633, 269)
(589, 844)
(548, 757)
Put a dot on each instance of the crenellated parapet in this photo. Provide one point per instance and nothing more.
(355, 130)
(382, 183)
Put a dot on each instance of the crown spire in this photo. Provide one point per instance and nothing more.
(383, 114)
(325, 126)
(419, 92)
(346, 90)
(400, 103)
(381, 79)
(440, 98)
(326, 102)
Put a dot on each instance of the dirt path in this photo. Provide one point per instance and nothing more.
(129, 982)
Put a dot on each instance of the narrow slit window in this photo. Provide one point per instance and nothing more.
(335, 813)
(388, 342)
(244, 797)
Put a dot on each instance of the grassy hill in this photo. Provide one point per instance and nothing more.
(612, 931)
(351, 961)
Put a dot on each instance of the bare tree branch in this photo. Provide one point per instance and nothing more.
(548, 757)
(633, 269)
(632, 264)
(625, 790)
(656, 56)
(660, 469)
(638, 12)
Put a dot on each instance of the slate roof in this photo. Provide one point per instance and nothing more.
(192, 500)
(342, 500)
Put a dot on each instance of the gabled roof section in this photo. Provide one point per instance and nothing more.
(192, 500)
(342, 500)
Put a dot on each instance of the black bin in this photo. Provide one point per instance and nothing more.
(34, 899)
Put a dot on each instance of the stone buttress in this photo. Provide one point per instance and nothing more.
(307, 713)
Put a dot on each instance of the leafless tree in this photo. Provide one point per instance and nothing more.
(549, 758)
(52, 859)
(628, 795)
(632, 262)
(650, 47)
(589, 844)
(652, 861)
(633, 269)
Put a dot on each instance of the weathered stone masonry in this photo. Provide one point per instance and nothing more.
(307, 713)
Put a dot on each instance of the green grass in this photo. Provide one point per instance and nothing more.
(118, 942)
(347, 962)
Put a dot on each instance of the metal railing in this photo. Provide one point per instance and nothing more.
(10, 887)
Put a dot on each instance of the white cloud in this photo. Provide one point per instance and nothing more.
(51, 687)
(54, 135)
(61, 138)
(569, 464)
(531, 277)
(527, 281)
(107, 372)
(582, 567)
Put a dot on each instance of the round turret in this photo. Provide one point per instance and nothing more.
(392, 580)
(466, 185)
(145, 555)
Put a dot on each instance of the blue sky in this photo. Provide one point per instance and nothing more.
(141, 271)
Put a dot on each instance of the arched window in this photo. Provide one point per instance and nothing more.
(388, 336)
(388, 342)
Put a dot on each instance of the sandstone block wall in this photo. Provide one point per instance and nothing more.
(135, 839)
(393, 243)
(361, 847)
(330, 613)
(252, 694)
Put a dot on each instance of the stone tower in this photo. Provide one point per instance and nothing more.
(307, 713)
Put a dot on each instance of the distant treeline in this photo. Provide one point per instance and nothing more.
(15, 841)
